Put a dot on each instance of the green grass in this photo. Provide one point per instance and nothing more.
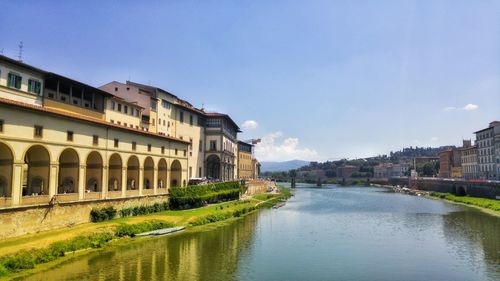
(490, 204)
(103, 232)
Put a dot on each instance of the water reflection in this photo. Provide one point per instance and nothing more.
(321, 234)
(210, 255)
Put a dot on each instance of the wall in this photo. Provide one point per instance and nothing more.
(16, 222)
(254, 187)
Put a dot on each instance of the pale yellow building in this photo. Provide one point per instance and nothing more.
(245, 163)
(57, 142)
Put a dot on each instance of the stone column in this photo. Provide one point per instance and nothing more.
(17, 183)
(155, 180)
(124, 181)
(169, 179)
(104, 182)
(53, 179)
(141, 179)
(81, 182)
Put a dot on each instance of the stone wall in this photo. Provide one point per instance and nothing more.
(253, 187)
(458, 187)
(32, 219)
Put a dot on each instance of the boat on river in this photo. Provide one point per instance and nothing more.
(162, 231)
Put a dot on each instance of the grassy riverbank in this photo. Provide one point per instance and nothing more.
(27, 254)
(488, 204)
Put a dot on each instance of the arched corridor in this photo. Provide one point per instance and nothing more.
(213, 167)
(115, 173)
(149, 167)
(133, 173)
(68, 172)
(36, 171)
(93, 175)
(162, 174)
(6, 161)
(176, 174)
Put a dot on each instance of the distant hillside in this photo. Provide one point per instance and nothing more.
(282, 166)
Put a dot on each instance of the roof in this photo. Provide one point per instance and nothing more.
(216, 114)
(245, 143)
(490, 127)
(48, 74)
(151, 88)
(85, 119)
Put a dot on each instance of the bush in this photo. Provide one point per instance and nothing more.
(212, 218)
(3, 271)
(20, 261)
(200, 195)
(144, 210)
(133, 229)
(102, 214)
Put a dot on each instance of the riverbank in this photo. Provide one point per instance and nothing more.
(193, 219)
(489, 206)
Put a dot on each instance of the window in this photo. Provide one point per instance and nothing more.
(176, 151)
(69, 136)
(137, 112)
(120, 107)
(181, 117)
(116, 89)
(34, 87)
(162, 150)
(134, 145)
(190, 172)
(199, 172)
(163, 122)
(200, 149)
(159, 121)
(51, 95)
(125, 124)
(185, 153)
(125, 109)
(117, 141)
(95, 140)
(191, 119)
(149, 147)
(165, 104)
(38, 131)
(112, 121)
(213, 145)
(1, 126)
(190, 144)
(153, 104)
(113, 105)
(14, 81)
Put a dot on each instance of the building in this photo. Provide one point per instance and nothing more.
(346, 171)
(221, 154)
(445, 163)
(469, 160)
(169, 115)
(255, 168)
(245, 163)
(420, 161)
(487, 151)
(387, 170)
(57, 142)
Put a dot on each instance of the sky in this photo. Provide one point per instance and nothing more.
(315, 80)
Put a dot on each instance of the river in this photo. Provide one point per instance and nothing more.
(332, 233)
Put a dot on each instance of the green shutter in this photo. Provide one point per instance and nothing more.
(18, 82)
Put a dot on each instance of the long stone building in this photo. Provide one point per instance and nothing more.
(63, 140)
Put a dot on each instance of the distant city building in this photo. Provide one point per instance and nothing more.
(346, 171)
(445, 163)
(488, 152)
(469, 160)
(419, 161)
(387, 170)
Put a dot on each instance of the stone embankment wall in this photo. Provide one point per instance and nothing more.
(32, 219)
(457, 187)
(254, 187)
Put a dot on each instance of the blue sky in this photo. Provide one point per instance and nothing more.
(319, 79)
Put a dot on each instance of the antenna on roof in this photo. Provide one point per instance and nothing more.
(20, 56)
(202, 106)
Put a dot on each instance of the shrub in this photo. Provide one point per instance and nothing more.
(133, 229)
(3, 271)
(103, 214)
(212, 218)
(20, 261)
(99, 239)
(144, 210)
(200, 195)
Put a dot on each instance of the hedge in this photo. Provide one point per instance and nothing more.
(199, 195)
(133, 229)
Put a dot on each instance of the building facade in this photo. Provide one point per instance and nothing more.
(58, 142)
(470, 168)
(488, 152)
(245, 163)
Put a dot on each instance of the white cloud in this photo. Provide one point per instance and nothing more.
(250, 125)
(471, 107)
(274, 147)
(467, 107)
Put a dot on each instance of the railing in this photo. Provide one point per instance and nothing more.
(114, 194)
(132, 193)
(67, 197)
(148, 191)
(35, 200)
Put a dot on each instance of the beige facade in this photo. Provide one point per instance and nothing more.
(65, 148)
(245, 163)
